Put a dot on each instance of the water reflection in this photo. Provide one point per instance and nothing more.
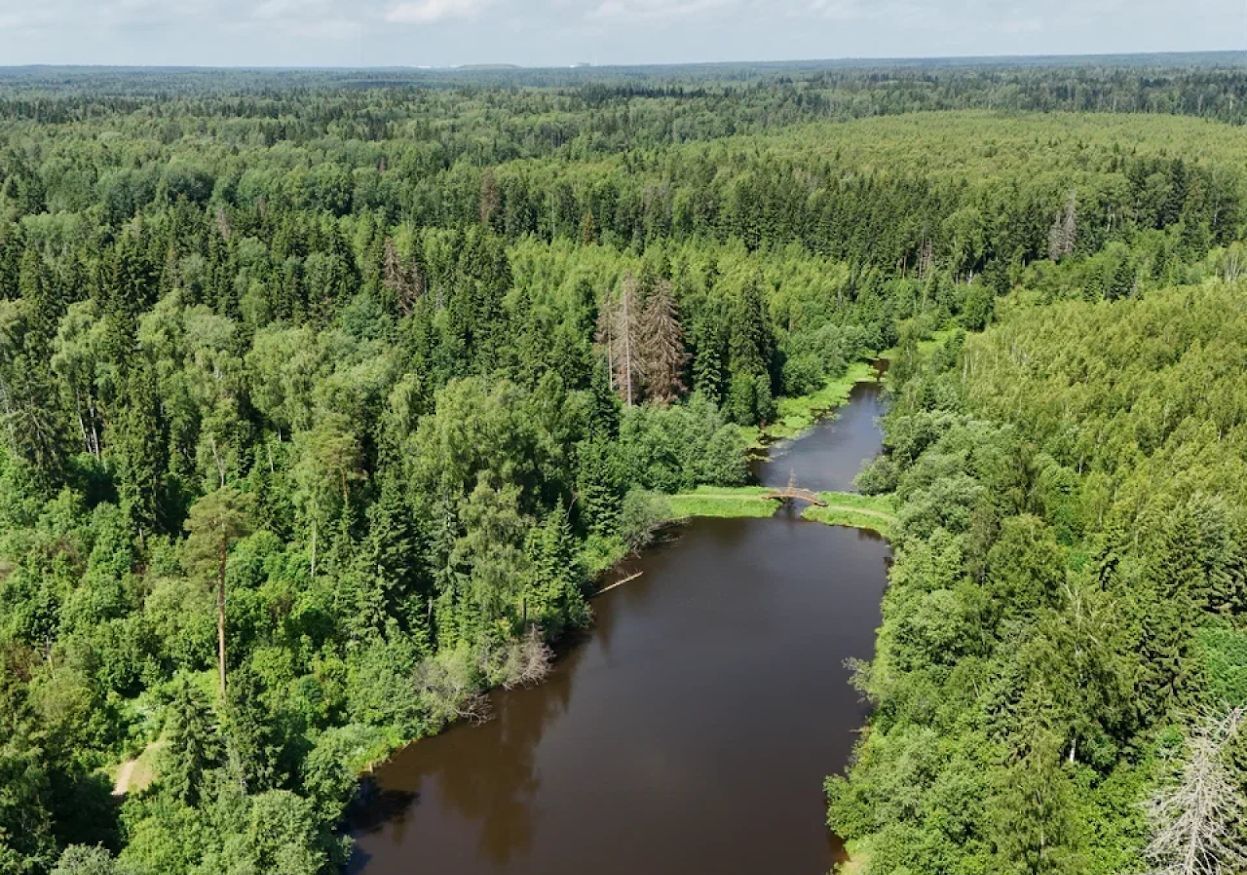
(689, 731)
(483, 775)
(832, 453)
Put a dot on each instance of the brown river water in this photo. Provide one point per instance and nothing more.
(689, 731)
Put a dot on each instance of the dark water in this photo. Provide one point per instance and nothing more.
(691, 729)
(829, 457)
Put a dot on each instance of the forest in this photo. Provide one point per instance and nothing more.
(327, 396)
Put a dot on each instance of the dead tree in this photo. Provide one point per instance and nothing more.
(1195, 818)
(1064, 231)
(662, 345)
(619, 332)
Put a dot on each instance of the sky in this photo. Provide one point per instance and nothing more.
(562, 32)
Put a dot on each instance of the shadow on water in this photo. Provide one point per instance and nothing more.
(480, 776)
(689, 731)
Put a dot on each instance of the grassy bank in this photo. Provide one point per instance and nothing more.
(874, 512)
(723, 501)
(796, 414)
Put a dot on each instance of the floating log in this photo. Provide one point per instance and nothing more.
(628, 579)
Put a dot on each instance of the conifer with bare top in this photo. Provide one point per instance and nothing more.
(662, 345)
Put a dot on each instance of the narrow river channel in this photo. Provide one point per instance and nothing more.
(689, 731)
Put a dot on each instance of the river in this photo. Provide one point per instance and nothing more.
(689, 731)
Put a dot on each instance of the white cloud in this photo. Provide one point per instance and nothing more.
(654, 10)
(275, 10)
(347, 32)
(433, 11)
(1022, 25)
(306, 19)
(837, 10)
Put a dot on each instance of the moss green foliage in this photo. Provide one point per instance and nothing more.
(394, 366)
(874, 512)
(1221, 654)
(1070, 535)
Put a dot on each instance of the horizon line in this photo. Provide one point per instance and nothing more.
(501, 66)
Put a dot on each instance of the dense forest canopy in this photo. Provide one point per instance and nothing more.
(326, 394)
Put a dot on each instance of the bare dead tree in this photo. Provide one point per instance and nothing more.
(405, 282)
(450, 692)
(926, 260)
(491, 198)
(1064, 231)
(528, 661)
(619, 332)
(1233, 266)
(662, 345)
(1194, 818)
(223, 226)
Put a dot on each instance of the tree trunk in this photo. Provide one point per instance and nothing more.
(627, 339)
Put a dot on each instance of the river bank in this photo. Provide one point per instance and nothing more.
(699, 713)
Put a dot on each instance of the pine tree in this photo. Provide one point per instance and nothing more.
(12, 247)
(43, 309)
(393, 543)
(751, 348)
(599, 487)
(250, 733)
(215, 522)
(553, 599)
(709, 344)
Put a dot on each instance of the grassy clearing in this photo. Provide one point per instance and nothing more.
(137, 774)
(855, 865)
(874, 512)
(925, 347)
(723, 501)
(796, 414)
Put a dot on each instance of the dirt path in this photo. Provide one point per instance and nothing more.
(138, 773)
(864, 511)
(124, 776)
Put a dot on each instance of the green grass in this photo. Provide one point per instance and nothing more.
(137, 774)
(796, 414)
(874, 512)
(723, 501)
